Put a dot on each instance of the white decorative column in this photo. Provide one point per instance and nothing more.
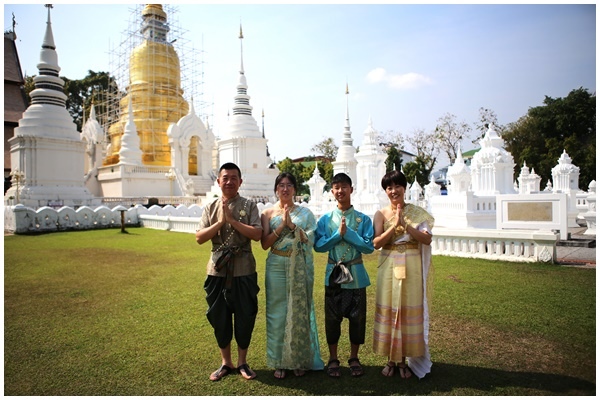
(565, 178)
(590, 215)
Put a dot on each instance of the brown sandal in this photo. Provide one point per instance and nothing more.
(389, 369)
(405, 371)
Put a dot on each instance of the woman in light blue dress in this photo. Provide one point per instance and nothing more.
(288, 231)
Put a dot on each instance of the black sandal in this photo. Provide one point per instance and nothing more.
(245, 368)
(223, 371)
(357, 370)
(333, 372)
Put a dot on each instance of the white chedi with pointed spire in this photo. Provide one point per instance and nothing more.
(47, 149)
(346, 156)
(92, 130)
(370, 168)
(130, 152)
(459, 175)
(245, 145)
(416, 191)
(93, 135)
(316, 184)
(48, 100)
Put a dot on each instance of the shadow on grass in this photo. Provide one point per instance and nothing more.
(445, 379)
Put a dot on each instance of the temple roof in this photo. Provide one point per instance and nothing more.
(15, 99)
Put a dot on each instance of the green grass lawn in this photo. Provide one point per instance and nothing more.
(106, 313)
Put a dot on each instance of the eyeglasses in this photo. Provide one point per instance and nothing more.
(285, 186)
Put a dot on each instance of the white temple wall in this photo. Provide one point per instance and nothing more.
(48, 161)
(145, 181)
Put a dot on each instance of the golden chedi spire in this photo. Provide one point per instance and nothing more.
(155, 91)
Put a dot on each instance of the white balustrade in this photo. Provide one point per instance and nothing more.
(506, 245)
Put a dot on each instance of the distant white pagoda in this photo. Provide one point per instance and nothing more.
(368, 194)
(245, 145)
(346, 156)
(47, 151)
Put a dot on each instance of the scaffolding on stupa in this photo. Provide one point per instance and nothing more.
(191, 61)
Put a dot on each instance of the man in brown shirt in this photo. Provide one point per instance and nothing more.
(231, 286)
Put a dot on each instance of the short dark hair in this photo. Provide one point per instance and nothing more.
(229, 166)
(288, 175)
(341, 178)
(394, 176)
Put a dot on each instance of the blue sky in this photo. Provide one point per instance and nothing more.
(406, 65)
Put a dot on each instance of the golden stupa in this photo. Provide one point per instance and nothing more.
(156, 94)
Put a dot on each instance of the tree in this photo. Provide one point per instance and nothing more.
(393, 160)
(327, 148)
(449, 134)
(427, 151)
(326, 172)
(417, 169)
(29, 85)
(82, 92)
(391, 138)
(299, 171)
(568, 124)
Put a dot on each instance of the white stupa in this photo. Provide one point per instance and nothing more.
(47, 152)
(565, 177)
(346, 156)
(368, 195)
(92, 134)
(245, 145)
(130, 152)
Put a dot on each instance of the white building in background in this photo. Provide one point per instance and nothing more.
(368, 195)
(471, 199)
(47, 153)
(346, 156)
(485, 195)
(245, 145)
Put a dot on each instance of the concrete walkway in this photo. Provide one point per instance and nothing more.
(577, 255)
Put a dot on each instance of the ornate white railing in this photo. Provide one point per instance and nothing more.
(21, 219)
(494, 244)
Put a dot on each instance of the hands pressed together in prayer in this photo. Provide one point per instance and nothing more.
(287, 219)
